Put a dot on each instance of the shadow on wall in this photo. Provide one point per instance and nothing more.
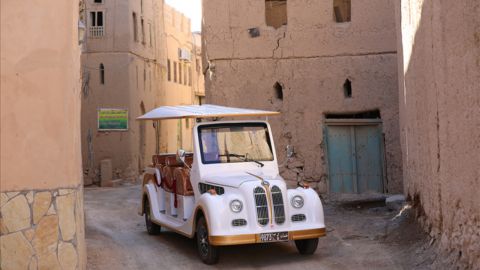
(440, 122)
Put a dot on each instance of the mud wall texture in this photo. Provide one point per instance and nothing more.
(178, 88)
(41, 199)
(130, 82)
(440, 121)
(310, 57)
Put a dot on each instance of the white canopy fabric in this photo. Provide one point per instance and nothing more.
(200, 111)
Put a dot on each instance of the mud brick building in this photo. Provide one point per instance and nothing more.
(330, 68)
(439, 73)
(138, 55)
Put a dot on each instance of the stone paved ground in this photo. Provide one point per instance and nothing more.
(359, 237)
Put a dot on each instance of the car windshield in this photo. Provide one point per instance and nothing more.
(238, 142)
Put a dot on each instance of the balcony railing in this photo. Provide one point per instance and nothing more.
(96, 31)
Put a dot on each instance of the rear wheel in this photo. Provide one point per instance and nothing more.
(208, 253)
(152, 228)
(306, 246)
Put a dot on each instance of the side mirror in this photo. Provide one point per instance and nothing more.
(181, 155)
(290, 151)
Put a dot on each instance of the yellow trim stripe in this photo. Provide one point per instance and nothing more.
(269, 200)
(241, 239)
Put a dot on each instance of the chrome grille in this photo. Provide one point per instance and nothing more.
(298, 217)
(278, 208)
(239, 222)
(262, 205)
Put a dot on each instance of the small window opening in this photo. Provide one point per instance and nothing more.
(150, 34)
(185, 74)
(276, 13)
(180, 73)
(144, 79)
(174, 71)
(99, 18)
(135, 31)
(96, 24)
(190, 76)
(169, 70)
(136, 75)
(347, 88)
(98, 1)
(93, 18)
(342, 10)
(143, 31)
(102, 74)
(278, 90)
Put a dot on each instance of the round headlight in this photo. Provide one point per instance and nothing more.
(236, 206)
(297, 201)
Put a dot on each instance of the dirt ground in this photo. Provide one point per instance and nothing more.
(359, 236)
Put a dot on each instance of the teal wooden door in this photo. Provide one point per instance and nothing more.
(355, 158)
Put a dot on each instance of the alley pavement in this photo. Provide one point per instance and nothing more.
(358, 237)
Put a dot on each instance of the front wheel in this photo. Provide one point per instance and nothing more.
(306, 246)
(208, 253)
(152, 228)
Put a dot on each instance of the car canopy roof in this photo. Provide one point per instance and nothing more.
(201, 111)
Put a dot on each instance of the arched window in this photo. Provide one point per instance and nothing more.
(278, 90)
(347, 88)
(102, 74)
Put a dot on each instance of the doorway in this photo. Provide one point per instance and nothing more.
(355, 155)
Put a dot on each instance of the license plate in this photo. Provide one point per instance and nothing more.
(273, 237)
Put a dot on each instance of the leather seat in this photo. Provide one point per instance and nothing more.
(183, 184)
(148, 178)
(159, 163)
(175, 177)
(168, 180)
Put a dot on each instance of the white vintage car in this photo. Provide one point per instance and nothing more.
(228, 191)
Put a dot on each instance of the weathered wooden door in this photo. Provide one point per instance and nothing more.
(355, 157)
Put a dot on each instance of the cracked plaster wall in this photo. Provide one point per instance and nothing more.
(439, 71)
(311, 57)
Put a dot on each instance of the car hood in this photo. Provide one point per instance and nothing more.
(237, 180)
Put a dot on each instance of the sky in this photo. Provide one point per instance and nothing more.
(191, 8)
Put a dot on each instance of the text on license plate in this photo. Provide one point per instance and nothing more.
(274, 237)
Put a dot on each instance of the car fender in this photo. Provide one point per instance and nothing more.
(216, 210)
(149, 192)
(312, 207)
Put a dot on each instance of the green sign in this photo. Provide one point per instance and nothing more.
(112, 119)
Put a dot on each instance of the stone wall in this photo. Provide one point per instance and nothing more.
(40, 229)
(439, 73)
